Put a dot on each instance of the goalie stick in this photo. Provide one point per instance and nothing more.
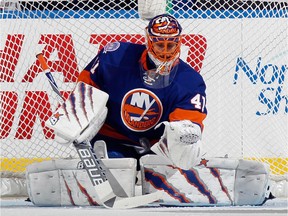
(98, 173)
(48, 74)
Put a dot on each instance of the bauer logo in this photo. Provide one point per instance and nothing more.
(272, 95)
(80, 165)
(55, 118)
(141, 110)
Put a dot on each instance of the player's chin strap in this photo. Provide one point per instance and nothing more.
(151, 76)
(97, 173)
(162, 74)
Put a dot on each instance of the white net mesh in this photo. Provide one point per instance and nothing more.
(240, 48)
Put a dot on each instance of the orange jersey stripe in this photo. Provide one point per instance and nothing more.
(143, 60)
(84, 76)
(192, 115)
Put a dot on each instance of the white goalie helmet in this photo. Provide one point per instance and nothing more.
(163, 41)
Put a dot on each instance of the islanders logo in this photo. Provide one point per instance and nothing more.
(141, 110)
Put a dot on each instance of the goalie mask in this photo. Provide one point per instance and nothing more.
(163, 35)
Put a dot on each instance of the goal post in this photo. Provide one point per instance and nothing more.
(240, 47)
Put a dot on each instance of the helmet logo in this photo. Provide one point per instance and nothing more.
(141, 110)
(166, 26)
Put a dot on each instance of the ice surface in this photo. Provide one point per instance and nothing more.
(20, 207)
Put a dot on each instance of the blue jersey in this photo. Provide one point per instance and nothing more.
(134, 109)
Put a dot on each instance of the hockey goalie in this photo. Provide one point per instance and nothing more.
(142, 109)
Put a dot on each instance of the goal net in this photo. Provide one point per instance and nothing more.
(240, 47)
